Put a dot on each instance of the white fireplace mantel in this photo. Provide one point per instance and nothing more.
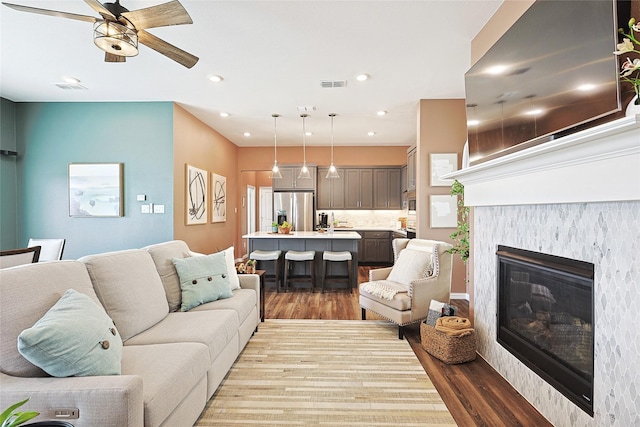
(599, 164)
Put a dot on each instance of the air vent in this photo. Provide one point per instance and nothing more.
(333, 83)
(70, 86)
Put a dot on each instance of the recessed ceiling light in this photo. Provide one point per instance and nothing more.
(586, 87)
(215, 78)
(224, 114)
(247, 134)
(497, 69)
(308, 133)
(70, 80)
(371, 133)
(473, 122)
(535, 112)
(363, 77)
(381, 113)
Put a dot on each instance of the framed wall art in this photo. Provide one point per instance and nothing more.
(95, 189)
(219, 198)
(196, 195)
(442, 164)
(444, 211)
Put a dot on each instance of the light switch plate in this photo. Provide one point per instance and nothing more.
(158, 209)
(145, 209)
(141, 197)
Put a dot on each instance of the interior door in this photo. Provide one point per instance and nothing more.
(266, 208)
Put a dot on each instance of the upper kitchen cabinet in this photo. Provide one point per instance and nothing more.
(290, 181)
(330, 193)
(411, 169)
(358, 188)
(386, 188)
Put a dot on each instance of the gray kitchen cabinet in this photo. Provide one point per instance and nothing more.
(330, 193)
(358, 188)
(376, 247)
(290, 181)
(386, 188)
(403, 179)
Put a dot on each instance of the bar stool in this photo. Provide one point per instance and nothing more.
(290, 258)
(274, 256)
(329, 256)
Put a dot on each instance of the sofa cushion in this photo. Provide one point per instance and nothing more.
(28, 292)
(202, 279)
(213, 328)
(130, 289)
(162, 255)
(74, 338)
(243, 303)
(411, 265)
(169, 372)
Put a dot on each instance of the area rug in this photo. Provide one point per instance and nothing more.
(326, 372)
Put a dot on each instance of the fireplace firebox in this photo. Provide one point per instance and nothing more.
(545, 318)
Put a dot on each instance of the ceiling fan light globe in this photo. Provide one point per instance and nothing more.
(115, 38)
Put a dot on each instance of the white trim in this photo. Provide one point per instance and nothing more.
(459, 295)
(599, 164)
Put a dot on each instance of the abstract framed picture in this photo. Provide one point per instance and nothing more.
(442, 164)
(219, 198)
(95, 190)
(444, 211)
(197, 196)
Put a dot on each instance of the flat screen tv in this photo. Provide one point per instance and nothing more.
(553, 72)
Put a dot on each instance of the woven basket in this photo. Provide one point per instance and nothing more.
(450, 350)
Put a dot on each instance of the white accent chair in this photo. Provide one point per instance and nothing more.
(51, 248)
(402, 293)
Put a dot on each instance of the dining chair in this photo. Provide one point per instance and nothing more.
(14, 257)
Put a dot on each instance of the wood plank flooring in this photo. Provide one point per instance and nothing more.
(474, 392)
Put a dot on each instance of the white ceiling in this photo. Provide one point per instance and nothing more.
(272, 55)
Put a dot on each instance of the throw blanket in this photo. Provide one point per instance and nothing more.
(454, 326)
(380, 290)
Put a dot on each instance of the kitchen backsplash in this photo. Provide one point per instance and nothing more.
(368, 218)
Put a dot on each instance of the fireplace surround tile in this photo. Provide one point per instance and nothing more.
(606, 234)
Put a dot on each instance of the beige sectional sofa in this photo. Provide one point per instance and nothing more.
(172, 361)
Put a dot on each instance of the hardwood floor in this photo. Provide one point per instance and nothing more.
(474, 392)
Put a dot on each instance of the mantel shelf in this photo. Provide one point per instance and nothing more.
(595, 165)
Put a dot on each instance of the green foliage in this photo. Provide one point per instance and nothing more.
(461, 235)
(9, 418)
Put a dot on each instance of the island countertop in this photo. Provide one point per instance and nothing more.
(338, 235)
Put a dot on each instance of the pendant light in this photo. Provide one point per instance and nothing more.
(304, 171)
(332, 173)
(275, 170)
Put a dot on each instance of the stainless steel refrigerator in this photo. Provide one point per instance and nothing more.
(299, 207)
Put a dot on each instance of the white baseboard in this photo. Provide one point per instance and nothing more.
(460, 295)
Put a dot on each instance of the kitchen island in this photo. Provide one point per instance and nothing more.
(311, 241)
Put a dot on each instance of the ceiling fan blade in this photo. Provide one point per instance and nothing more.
(110, 57)
(167, 49)
(162, 15)
(51, 12)
(103, 11)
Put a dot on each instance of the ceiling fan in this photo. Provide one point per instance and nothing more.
(119, 30)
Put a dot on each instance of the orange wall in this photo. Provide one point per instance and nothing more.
(198, 145)
(261, 158)
(441, 129)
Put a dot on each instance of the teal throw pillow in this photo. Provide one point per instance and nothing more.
(202, 279)
(75, 337)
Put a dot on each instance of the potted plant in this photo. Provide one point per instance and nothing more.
(461, 235)
(251, 266)
(274, 227)
(10, 418)
(630, 69)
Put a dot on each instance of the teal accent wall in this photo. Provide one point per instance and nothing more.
(8, 195)
(49, 136)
